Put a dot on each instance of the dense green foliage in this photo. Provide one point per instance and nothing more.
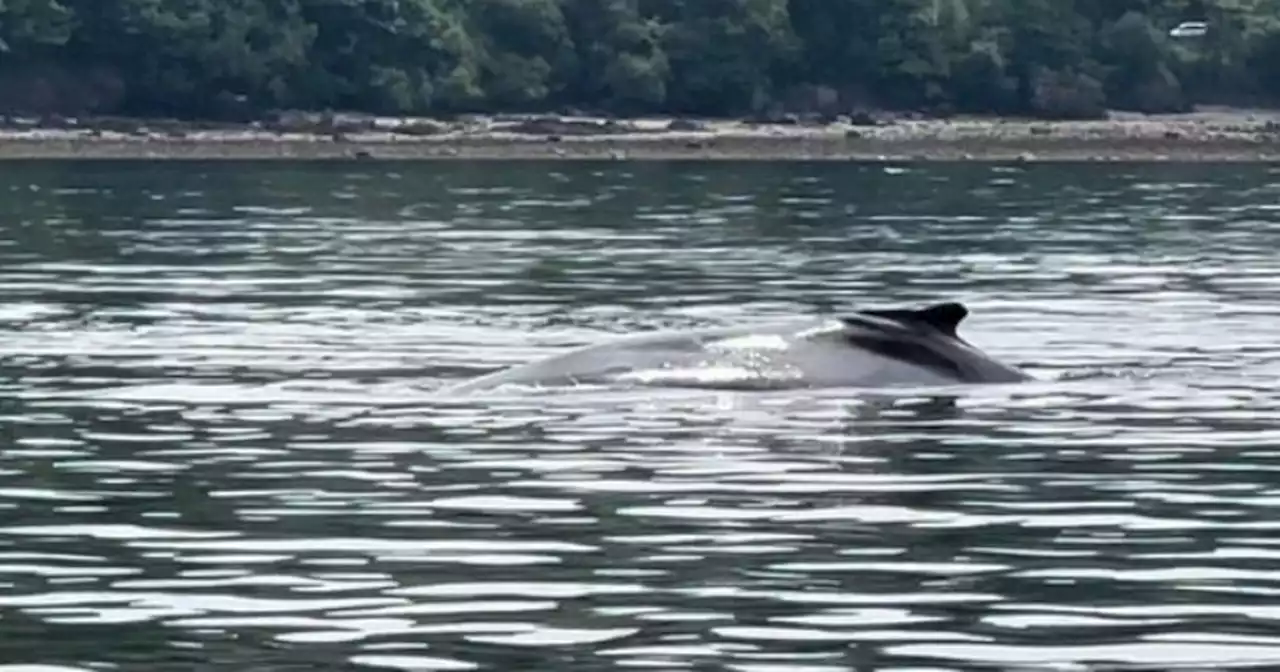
(715, 57)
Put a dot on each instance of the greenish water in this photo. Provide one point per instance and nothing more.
(220, 446)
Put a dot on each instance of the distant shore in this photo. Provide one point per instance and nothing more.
(1204, 135)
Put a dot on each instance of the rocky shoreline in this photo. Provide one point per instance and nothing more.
(1204, 135)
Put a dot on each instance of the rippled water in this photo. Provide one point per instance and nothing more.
(221, 446)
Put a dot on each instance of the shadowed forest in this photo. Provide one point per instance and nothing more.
(238, 58)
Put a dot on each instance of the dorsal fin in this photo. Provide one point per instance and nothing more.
(945, 317)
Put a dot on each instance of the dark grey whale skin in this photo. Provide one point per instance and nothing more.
(868, 348)
(928, 338)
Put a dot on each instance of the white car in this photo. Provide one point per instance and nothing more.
(1190, 29)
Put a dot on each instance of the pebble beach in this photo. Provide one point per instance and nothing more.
(1203, 135)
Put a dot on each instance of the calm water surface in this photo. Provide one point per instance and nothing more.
(220, 445)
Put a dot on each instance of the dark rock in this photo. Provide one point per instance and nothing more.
(942, 112)
(863, 118)
(117, 124)
(686, 125)
(419, 128)
(57, 121)
(566, 127)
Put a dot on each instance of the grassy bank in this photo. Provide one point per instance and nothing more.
(1206, 135)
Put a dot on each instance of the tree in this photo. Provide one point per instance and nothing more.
(715, 57)
(619, 60)
(29, 25)
(723, 54)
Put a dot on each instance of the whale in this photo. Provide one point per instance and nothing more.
(868, 348)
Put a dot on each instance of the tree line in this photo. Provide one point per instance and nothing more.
(1051, 58)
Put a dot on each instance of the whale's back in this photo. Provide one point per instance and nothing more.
(601, 363)
(873, 348)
